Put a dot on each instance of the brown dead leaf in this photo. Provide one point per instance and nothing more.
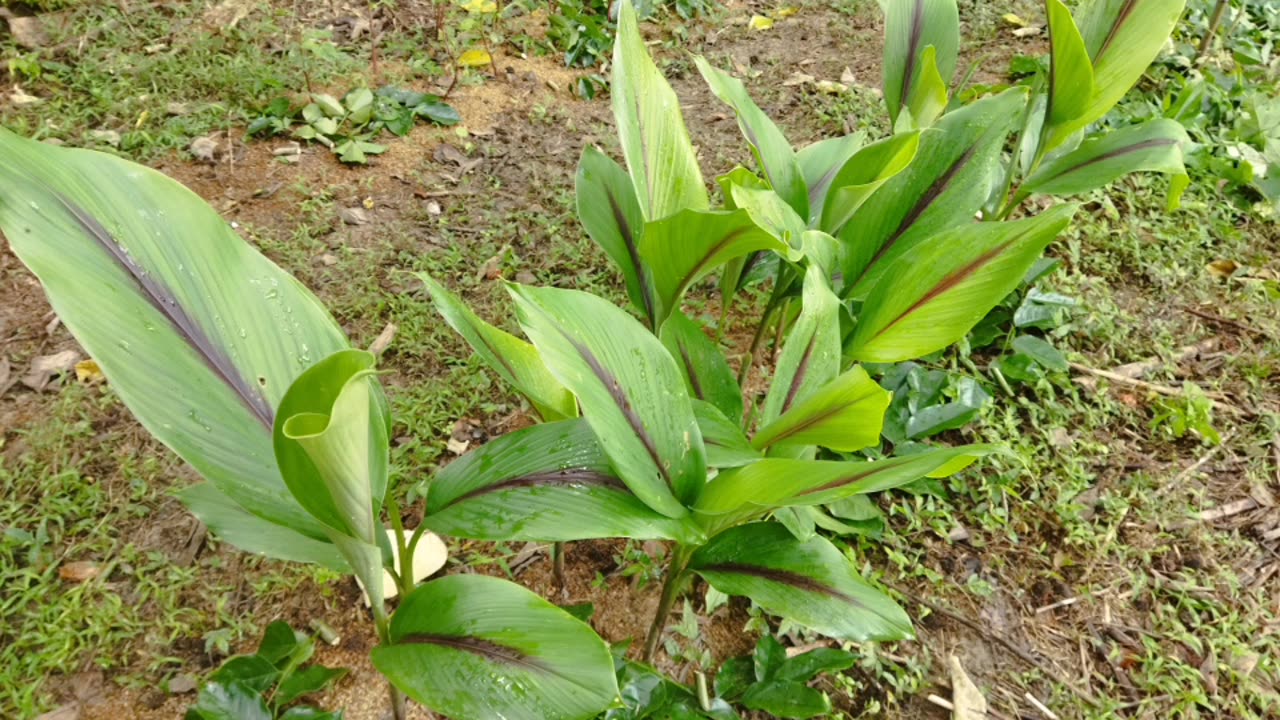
(490, 270)
(967, 700)
(5, 373)
(204, 149)
(20, 98)
(353, 216)
(46, 367)
(457, 447)
(79, 571)
(227, 14)
(798, 78)
(26, 30)
(383, 341)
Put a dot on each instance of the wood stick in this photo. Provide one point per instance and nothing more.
(1155, 388)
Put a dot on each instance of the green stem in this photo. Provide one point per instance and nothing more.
(404, 579)
(670, 590)
(383, 624)
(557, 564)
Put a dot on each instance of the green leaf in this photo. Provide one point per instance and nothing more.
(773, 482)
(928, 300)
(819, 164)
(768, 657)
(950, 179)
(311, 679)
(726, 445)
(734, 677)
(283, 647)
(1155, 145)
(328, 105)
(251, 671)
(768, 144)
(1042, 352)
(707, 373)
(1070, 77)
(472, 646)
(515, 360)
(230, 701)
(809, 582)
(546, 483)
(929, 95)
(611, 215)
(309, 713)
(233, 524)
(651, 129)
(630, 389)
(910, 26)
(438, 112)
(846, 414)
(680, 249)
(770, 212)
(806, 666)
(786, 699)
(202, 334)
(811, 355)
(863, 174)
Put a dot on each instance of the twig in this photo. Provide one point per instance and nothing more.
(1225, 511)
(1060, 604)
(1218, 319)
(1155, 388)
(1006, 642)
(1040, 706)
(941, 702)
(1190, 470)
(1141, 368)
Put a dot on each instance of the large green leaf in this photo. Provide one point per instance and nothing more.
(726, 445)
(775, 482)
(655, 142)
(515, 360)
(706, 371)
(546, 483)
(630, 388)
(770, 146)
(611, 215)
(819, 164)
(932, 298)
(770, 212)
(684, 247)
(846, 414)
(197, 332)
(910, 26)
(863, 174)
(950, 179)
(476, 647)
(1070, 77)
(809, 582)
(231, 523)
(1155, 145)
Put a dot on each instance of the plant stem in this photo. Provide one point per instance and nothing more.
(557, 564)
(1214, 21)
(670, 589)
(383, 624)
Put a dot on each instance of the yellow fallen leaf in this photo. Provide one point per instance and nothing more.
(1014, 20)
(760, 22)
(783, 13)
(831, 87)
(1222, 268)
(480, 6)
(475, 58)
(88, 372)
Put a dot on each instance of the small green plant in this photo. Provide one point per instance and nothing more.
(268, 684)
(773, 682)
(1189, 413)
(349, 126)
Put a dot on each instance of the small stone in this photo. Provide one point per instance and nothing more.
(433, 208)
(353, 216)
(204, 148)
(329, 259)
(79, 571)
(182, 684)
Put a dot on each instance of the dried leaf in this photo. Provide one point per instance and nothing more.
(46, 367)
(204, 148)
(79, 571)
(847, 77)
(831, 87)
(1222, 269)
(383, 341)
(785, 12)
(483, 7)
(457, 447)
(760, 22)
(20, 98)
(181, 684)
(66, 712)
(798, 78)
(5, 373)
(475, 58)
(967, 700)
(106, 137)
(1013, 20)
(1029, 31)
(27, 31)
(353, 216)
(88, 372)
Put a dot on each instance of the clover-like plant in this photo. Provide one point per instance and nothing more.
(242, 372)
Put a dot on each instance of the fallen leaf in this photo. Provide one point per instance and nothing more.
(1026, 32)
(88, 372)
(490, 270)
(66, 712)
(106, 137)
(760, 22)
(328, 259)
(480, 6)
(5, 372)
(847, 77)
(475, 58)
(1222, 269)
(798, 78)
(181, 684)
(967, 700)
(785, 12)
(79, 571)
(457, 447)
(433, 208)
(383, 341)
(1013, 20)
(46, 367)
(26, 31)
(524, 277)
(227, 14)
(20, 98)
(204, 148)
(429, 555)
(831, 87)
(353, 216)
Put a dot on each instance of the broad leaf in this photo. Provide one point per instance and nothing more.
(229, 701)
(630, 388)
(863, 174)
(786, 699)
(932, 298)
(775, 482)
(684, 247)
(846, 414)
(706, 371)
(770, 146)
(311, 679)
(809, 582)
(515, 360)
(819, 164)
(655, 142)
(1155, 145)
(202, 335)
(726, 445)
(254, 672)
(231, 523)
(471, 646)
(950, 179)
(611, 215)
(806, 666)
(1070, 77)
(546, 483)
(929, 96)
(910, 26)
(770, 212)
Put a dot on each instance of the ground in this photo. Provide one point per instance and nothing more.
(1102, 567)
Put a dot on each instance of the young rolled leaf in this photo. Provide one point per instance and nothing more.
(706, 371)
(910, 26)
(929, 300)
(611, 215)
(331, 443)
(726, 445)
(660, 158)
(470, 646)
(863, 174)
(515, 360)
(772, 150)
(846, 414)
(950, 179)
(819, 164)
(547, 483)
(1070, 77)
(680, 249)
(775, 482)
(202, 334)
(929, 98)
(1155, 145)
(809, 582)
(630, 389)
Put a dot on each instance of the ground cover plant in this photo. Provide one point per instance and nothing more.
(1134, 568)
